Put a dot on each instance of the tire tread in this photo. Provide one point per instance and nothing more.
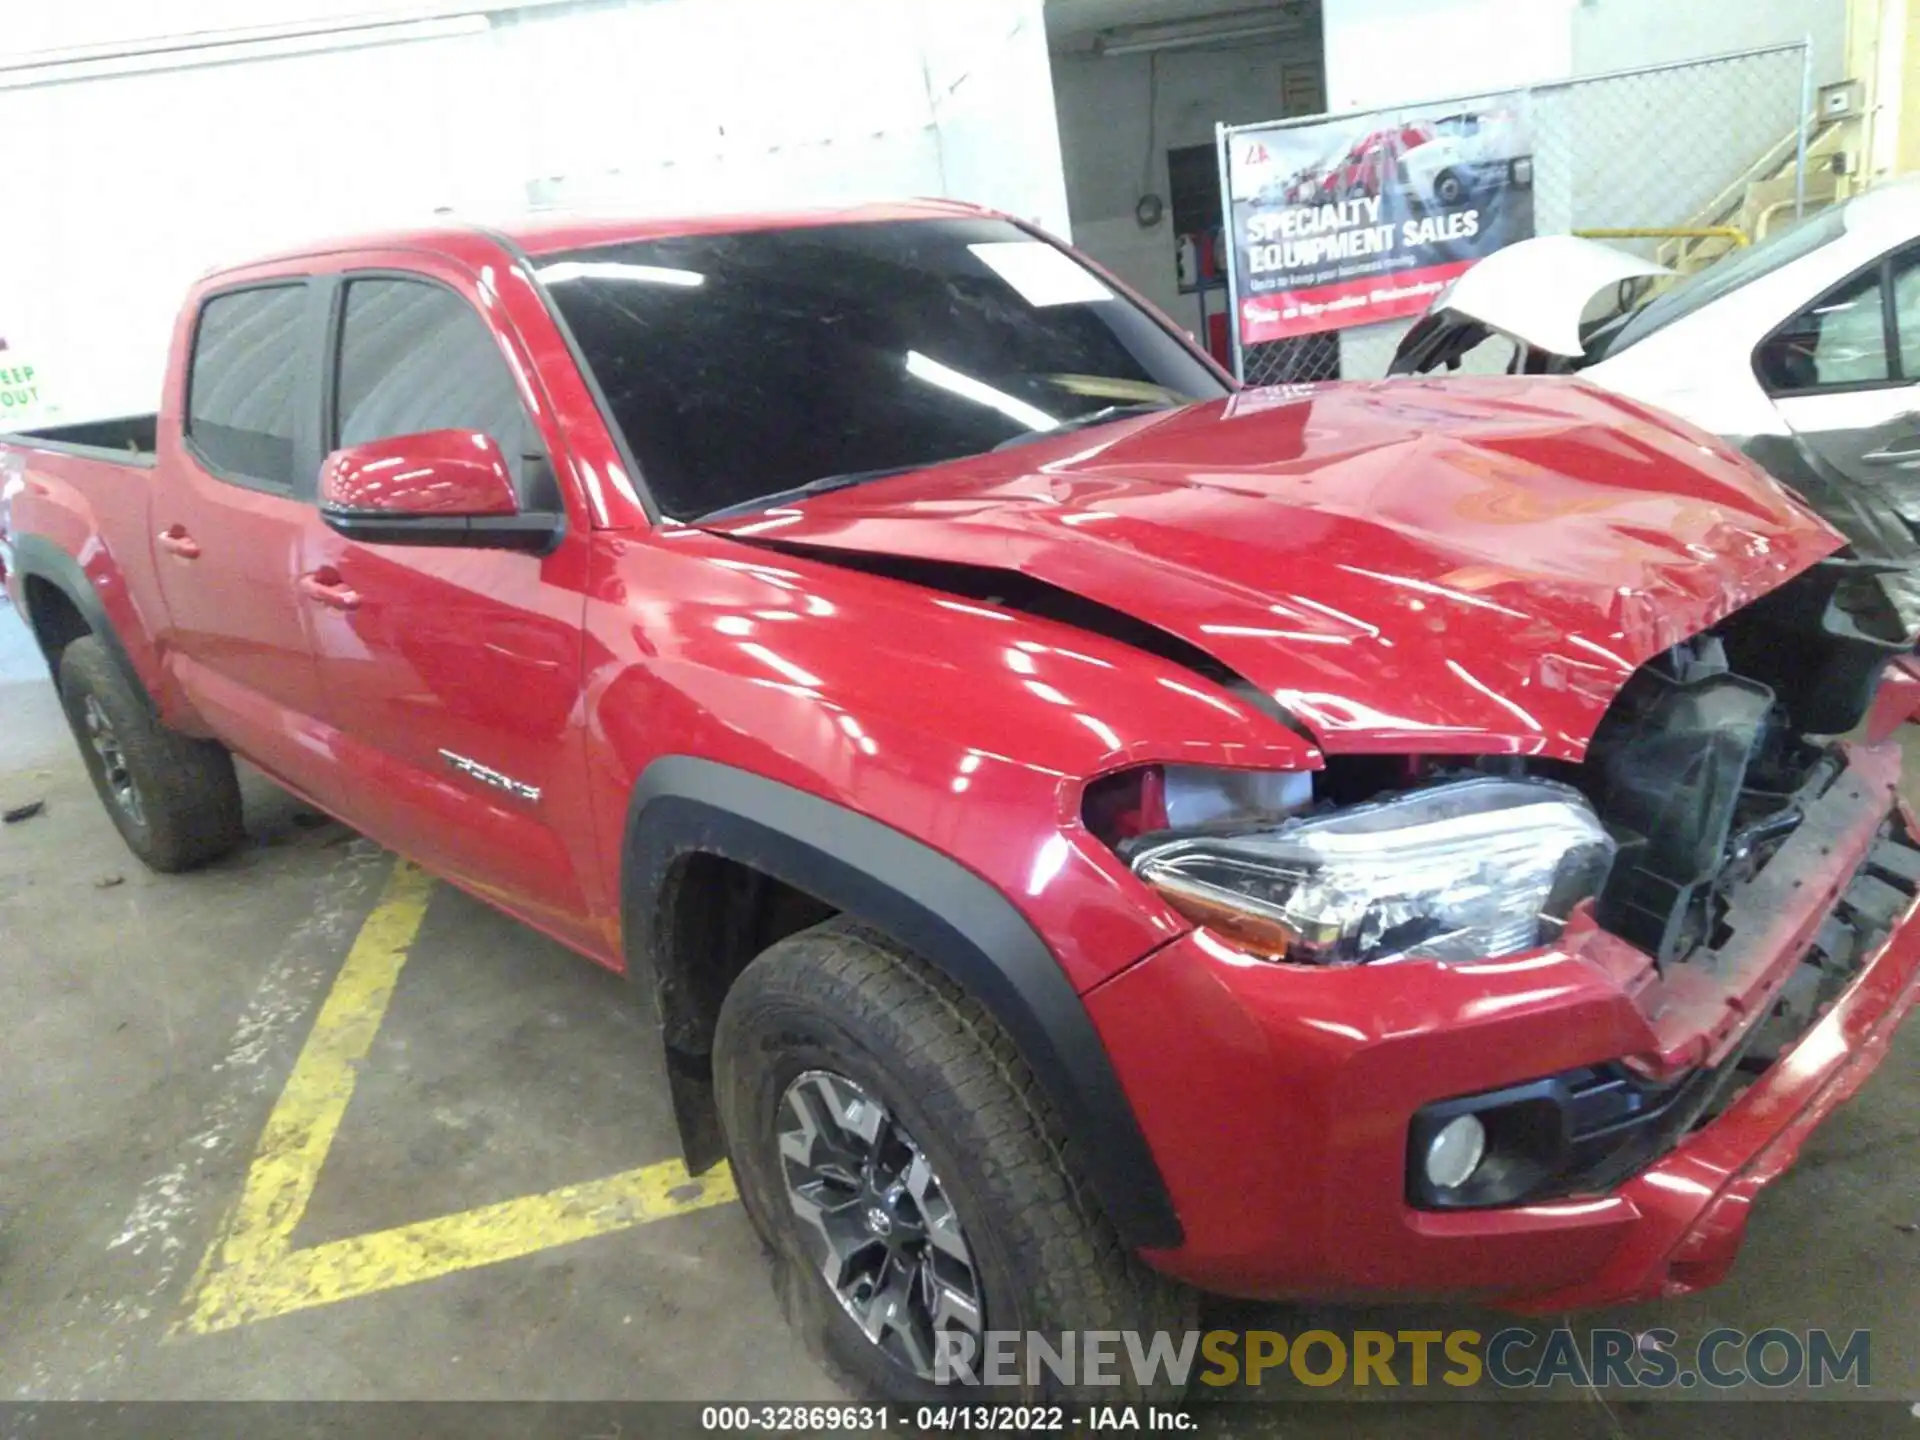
(188, 787)
(987, 1094)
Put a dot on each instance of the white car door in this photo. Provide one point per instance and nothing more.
(1844, 374)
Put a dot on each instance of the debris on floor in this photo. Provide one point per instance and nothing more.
(107, 882)
(23, 812)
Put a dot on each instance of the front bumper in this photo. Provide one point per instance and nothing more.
(1278, 1102)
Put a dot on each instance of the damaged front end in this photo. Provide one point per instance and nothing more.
(1718, 851)
(1716, 753)
(1758, 871)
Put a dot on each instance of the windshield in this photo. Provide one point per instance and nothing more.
(742, 366)
(1703, 287)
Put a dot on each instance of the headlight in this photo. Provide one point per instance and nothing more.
(1462, 871)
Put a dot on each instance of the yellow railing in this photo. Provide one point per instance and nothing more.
(1671, 232)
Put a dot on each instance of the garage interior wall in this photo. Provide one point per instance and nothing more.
(993, 108)
(1389, 52)
(1115, 144)
(1630, 167)
(1614, 150)
(1883, 50)
(1614, 34)
(830, 102)
(138, 182)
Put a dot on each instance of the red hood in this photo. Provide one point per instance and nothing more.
(1448, 566)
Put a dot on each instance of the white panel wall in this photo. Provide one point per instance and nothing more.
(1389, 52)
(729, 104)
(1383, 52)
(993, 106)
(1615, 34)
(32, 27)
(806, 102)
(1115, 148)
(135, 185)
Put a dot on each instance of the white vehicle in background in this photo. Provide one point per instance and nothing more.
(1804, 351)
(1467, 153)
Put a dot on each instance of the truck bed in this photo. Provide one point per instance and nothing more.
(129, 439)
(79, 496)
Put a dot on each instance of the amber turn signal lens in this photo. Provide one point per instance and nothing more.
(1252, 933)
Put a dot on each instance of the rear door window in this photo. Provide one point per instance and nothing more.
(1839, 340)
(1906, 311)
(1862, 333)
(245, 384)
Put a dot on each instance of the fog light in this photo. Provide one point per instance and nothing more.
(1455, 1152)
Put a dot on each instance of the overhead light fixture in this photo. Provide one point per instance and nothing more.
(1208, 30)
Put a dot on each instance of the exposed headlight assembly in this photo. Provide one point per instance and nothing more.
(1462, 871)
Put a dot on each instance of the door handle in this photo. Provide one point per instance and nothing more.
(1902, 450)
(175, 541)
(1907, 459)
(325, 587)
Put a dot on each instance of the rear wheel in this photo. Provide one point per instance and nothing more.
(174, 800)
(911, 1186)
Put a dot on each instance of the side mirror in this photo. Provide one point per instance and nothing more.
(443, 487)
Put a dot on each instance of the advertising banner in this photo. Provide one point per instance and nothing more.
(1365, 218)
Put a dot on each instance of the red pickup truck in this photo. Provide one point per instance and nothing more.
(1089, 833)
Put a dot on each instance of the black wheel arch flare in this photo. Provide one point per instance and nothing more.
(36, 557)
(921, 898)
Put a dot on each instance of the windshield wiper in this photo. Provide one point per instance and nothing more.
(801, 492)
(1093, 417)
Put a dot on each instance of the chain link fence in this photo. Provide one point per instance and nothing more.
(1662, 146)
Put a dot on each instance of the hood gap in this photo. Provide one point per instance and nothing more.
(1012, 590)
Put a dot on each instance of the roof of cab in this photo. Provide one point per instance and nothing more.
(545, 233)
(550, 232)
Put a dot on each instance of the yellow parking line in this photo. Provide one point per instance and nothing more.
(365, 1264)
(286, 1164)
(252, 1272)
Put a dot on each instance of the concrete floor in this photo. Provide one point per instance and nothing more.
(152, 1022)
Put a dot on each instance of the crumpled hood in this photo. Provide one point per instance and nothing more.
(1449, 566)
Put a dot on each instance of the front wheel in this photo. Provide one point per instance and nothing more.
(174, 800)
(913, 1190)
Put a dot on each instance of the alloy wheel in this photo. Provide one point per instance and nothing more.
(113, 761)
(888, 1241)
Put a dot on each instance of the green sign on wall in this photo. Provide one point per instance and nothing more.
(23, 392)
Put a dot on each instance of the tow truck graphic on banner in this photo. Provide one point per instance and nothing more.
(1367, 217)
